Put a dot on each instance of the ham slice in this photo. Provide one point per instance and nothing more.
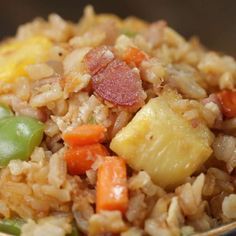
(98, 58)
(119, 84)
(113, 80)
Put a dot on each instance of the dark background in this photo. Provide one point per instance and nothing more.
(214, 21)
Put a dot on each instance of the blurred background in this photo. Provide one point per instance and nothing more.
(214, 21)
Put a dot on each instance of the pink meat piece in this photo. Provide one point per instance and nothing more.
(119, 84)
(98, 58)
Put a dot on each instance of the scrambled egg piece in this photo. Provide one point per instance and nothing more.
(16, 55)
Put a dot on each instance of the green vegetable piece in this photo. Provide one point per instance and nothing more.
(75, 231)
(11, 226)
(128, 33)
(5, 111)
(92, 120)
(19, 136)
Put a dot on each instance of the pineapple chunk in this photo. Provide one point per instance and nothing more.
(161, 142)
(16, 55)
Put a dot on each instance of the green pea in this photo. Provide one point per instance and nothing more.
(19, 136)
(5, 111)
(11, 226)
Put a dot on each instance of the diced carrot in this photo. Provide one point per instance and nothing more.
(79, 159)
(135, 56)
(112, 191)
(85, 134)
(227, 100)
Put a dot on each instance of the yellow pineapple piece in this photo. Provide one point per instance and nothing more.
(161, 142)
(16, 55)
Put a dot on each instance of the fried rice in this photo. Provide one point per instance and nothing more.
(116, 73)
